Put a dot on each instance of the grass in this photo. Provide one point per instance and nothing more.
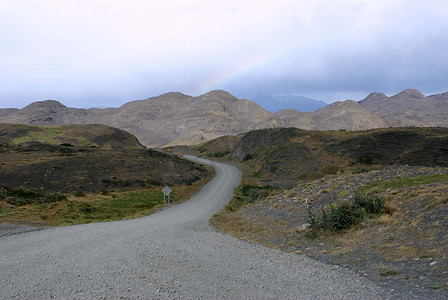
(96, 207)
(45, 135)
(404, 182)
(114, 207)
(246, 193)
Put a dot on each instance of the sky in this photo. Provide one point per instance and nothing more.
(104, 53)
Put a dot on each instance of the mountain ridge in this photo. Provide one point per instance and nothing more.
(177, 119)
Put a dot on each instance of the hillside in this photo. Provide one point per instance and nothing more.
(178, 119)
(86, 158)
(100, 136)
(72, 169)
(288, 155)
(292, 154)
(403, 247)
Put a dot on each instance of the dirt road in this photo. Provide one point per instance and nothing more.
(171, 254)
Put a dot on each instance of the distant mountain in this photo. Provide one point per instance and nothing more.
(409, 108)
(178, 119)
(277, 103)
(346, 115)
(171, 118)
(7, 111)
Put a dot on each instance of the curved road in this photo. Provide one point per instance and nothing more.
(171, 254)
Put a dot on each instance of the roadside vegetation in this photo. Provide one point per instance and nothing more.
(345, 215)
(73, 174)
(27, 207)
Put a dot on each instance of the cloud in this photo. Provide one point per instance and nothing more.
(111, 52)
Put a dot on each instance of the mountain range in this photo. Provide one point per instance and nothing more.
(176, 119)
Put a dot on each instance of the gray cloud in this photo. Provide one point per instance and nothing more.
(108, 53)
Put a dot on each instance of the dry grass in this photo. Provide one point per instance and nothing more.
(94, 207)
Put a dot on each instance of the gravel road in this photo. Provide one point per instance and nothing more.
(171, 254)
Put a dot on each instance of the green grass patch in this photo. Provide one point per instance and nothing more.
(46, 135)
(115, 207)
(245, 194)
(404, 182)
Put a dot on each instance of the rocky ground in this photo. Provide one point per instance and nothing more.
(405, 249)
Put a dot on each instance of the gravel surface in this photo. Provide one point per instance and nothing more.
(171, 254)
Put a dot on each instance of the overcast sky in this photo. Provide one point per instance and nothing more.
(88, 53)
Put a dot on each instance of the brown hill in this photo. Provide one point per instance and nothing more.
(86, 158)
(346, 115)
(7, 111)
(290, 154)
(98, 136)
(172, 118)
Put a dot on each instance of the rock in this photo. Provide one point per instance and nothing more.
(303, 227)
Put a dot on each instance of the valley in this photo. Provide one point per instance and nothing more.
(293, 176)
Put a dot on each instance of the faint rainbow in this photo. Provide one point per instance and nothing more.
(221, 79)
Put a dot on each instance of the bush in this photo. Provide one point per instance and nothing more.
(78, 194)
(365, 159)
(361, 169)
(314, 176)
(345, 215)
(247, 157)
(219, 154)
(336, 218)
(371, 203)
(248, 194)
(331, 170)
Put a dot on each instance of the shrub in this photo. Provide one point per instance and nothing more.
(365, 159)
(247, 157)
(339, 217)
(361, 169)
(78, 194)
(248, 194)
(314, 176)
(345, 215)
(331, 170)
(220, 154)
(371, 203)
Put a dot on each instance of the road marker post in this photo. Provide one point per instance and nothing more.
(166, 192)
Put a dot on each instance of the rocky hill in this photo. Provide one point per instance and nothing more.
(346, 115)
(171, 118)
(409, 108)
(294, 154)
(287, 155)
(93, 136)
(85, 158)
(178, 119)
